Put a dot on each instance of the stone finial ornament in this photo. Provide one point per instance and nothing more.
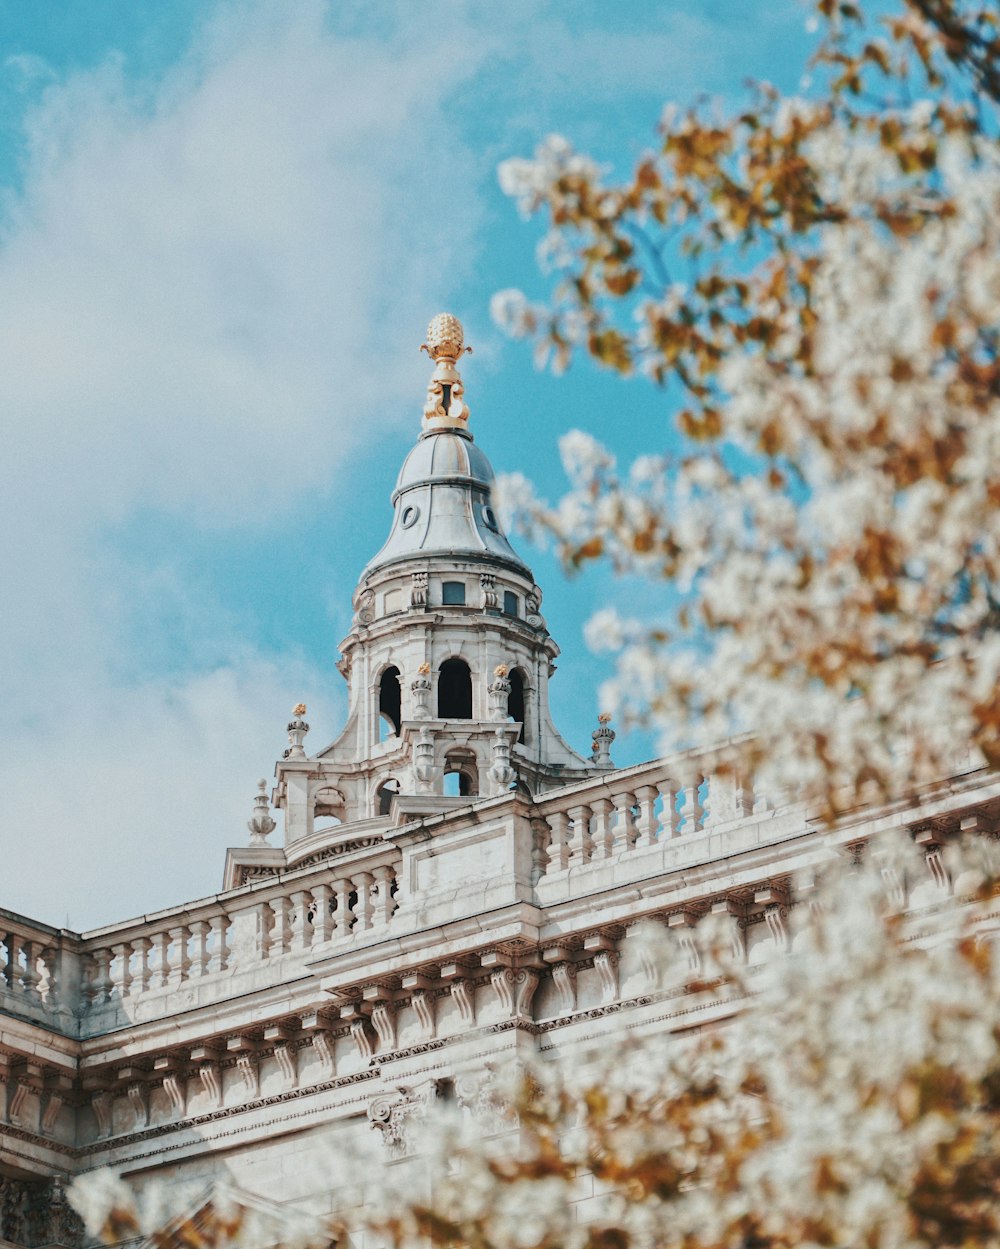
(499, 692)
(260, 823)
(421, 690)
(602, 737)
(445, 408)
(297, 730)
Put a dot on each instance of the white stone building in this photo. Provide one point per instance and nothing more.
(452, 887)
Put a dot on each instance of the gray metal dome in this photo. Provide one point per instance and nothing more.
(444, 456)
(443, 506)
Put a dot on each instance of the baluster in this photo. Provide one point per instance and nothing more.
(690, 807)
(143, 971)
(580, 845)
(181, 967)
(218, 959)
(49, 990)
(12, 968)
(121, 971)
(603, 840)
(322, 919)
(161, 943)
(670, 820)
(102, 976)
(300, 935)
(199, 947)
(280, 931)
(384, 878)
(30, 976)
(363, 910)
(265, 923)
(646, 826)
(558, 847)
(88, 981)
(743, 797)
(624, 832)
(345, 912)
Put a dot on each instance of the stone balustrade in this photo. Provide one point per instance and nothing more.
(240, 932)
(38, 968)
(610, 816)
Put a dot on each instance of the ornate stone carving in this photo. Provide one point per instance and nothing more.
(463, 994)
(260, 823)
(418, 589)
(362, 1038)
(776, 918)
(102, 1104)
(175, 1087)
(51, 1105)
(502, 773)
(38, 1213)
(366, 607)
(514, 990)
(532, 604)
(606, 964)
(211, 1080)
(284, 1054)
(384, 1023)
(424, 768)
(138, 1096)
(488, 585)
(17, 1093)
(249, 1068)
(323, 1047)
(564, 978)
(423, 1007)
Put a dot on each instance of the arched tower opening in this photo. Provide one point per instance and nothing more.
(390, 705)
(515, 702)
(454, 690)
(385, 794)
(461, 775)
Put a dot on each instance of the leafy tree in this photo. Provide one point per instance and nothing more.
(816, 281)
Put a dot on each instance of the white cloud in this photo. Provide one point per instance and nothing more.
(211, 289)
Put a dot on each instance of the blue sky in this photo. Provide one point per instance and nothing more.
(223, 229)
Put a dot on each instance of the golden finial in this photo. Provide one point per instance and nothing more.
(604, 717)
(424, 670)
(500, 670)
(299, 709)
(445, 407)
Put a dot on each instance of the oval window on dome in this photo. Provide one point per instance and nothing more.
(410, 517)
(489, 519)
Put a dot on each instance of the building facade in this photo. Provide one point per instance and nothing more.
(451, 889)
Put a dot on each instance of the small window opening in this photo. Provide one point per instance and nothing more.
(454, 690)
(386, 792)
(511, 604)
(515, 701)
(390, 704)
(453, 593)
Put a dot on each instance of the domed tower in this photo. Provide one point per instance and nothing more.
(448, 659)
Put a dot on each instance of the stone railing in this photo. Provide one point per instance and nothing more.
(39, 968)
(220, 946)
(614, 815)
